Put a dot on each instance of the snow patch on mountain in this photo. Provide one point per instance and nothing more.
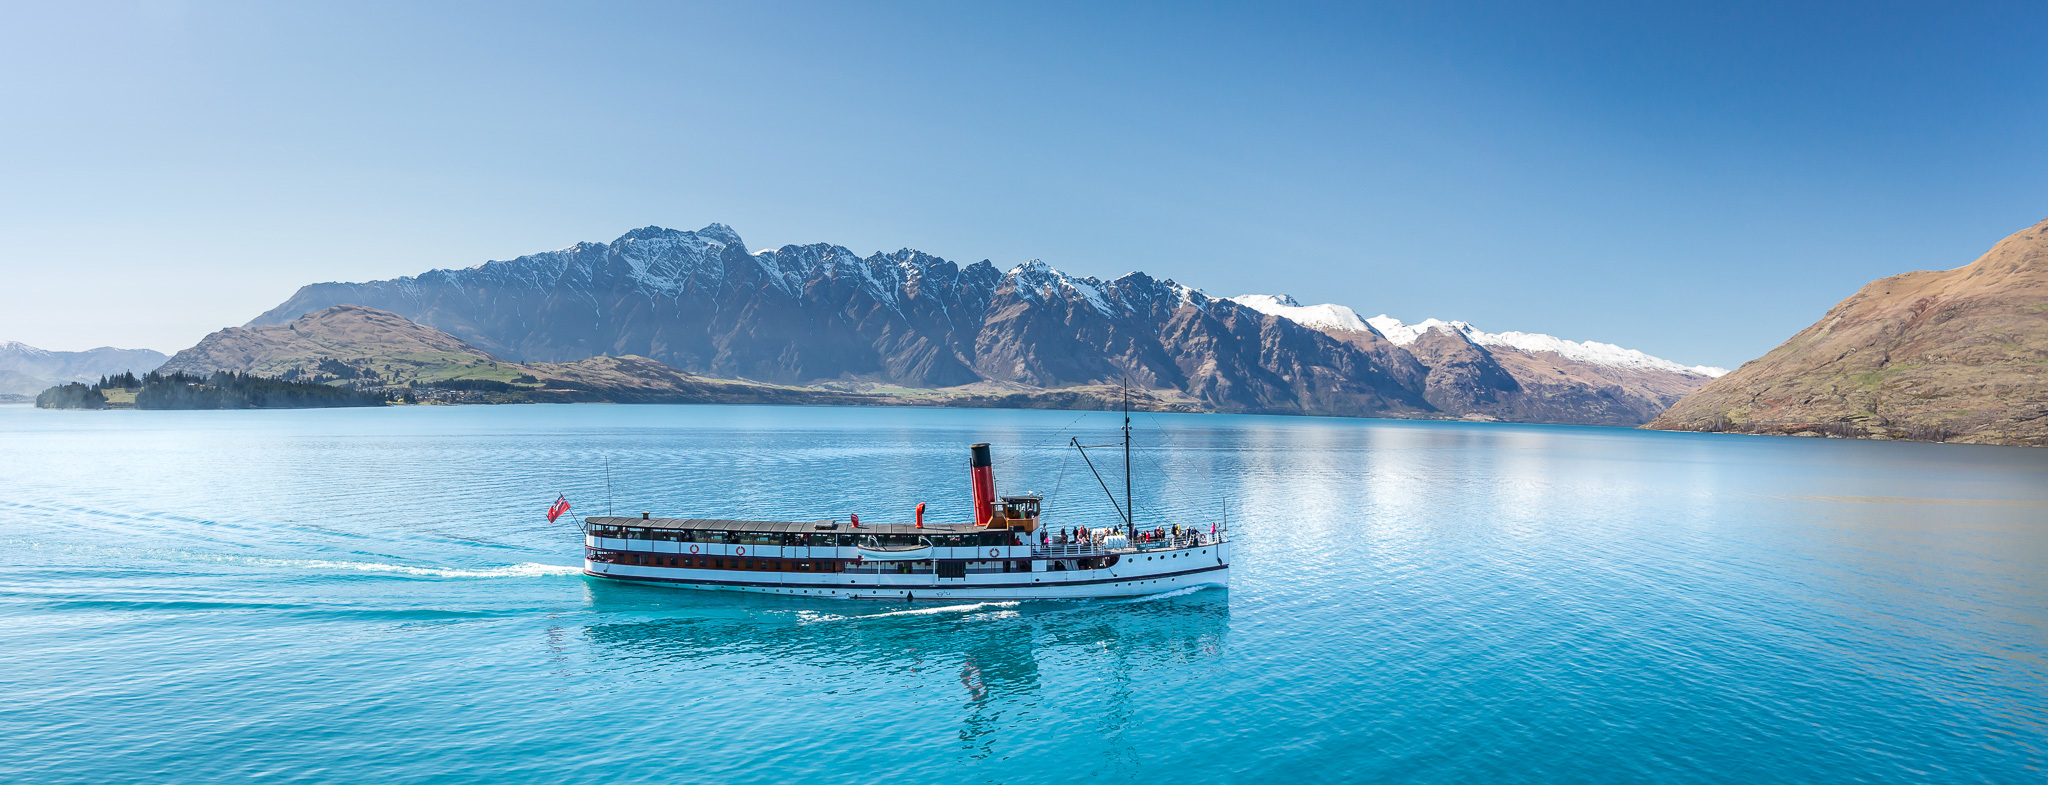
(1593, 352)
(1038, 280)
(1404, 334)
(1330, 316)
(24, 350)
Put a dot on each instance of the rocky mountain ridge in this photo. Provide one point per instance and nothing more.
(376, 350)
(701, 302)
(1524, 377)
(380, 351)
(821, 314)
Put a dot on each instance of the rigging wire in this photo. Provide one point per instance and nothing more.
(1063, 429)
(1061, 479)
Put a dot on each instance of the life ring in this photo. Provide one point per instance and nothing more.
(693, 549)
(739, 551)
(992, 553)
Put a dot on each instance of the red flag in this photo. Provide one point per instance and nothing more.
(560, 506)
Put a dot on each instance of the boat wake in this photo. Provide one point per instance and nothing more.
(520, 570)
(967, 608)
(941, 609)
(1165, 595)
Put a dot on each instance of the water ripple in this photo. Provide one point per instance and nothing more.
(375, 595)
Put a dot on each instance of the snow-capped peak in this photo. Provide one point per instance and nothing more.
(1036, 278)
(1593, 352)
(1328, 316)
(1404, 334)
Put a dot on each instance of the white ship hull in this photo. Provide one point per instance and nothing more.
(1032, 573)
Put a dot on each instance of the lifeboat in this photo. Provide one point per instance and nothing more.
(871, 549)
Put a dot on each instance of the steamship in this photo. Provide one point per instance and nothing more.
(1004, 553)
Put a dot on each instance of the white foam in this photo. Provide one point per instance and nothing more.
(520, 570)
(941, 609)
(1166, 595)
(808, 617)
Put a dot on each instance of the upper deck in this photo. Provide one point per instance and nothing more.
(726, 526)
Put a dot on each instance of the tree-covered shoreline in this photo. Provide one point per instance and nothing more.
(220, 390)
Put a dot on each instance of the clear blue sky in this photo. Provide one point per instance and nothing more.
(1698, 181)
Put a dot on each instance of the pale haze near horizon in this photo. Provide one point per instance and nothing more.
(1698, 184)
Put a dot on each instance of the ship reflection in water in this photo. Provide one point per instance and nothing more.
(991, 659)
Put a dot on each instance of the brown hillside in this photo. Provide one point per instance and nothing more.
(1954, 355)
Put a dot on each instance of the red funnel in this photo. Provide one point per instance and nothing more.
(983, 472)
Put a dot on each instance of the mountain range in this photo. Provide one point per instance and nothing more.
(26, 370)
(1950, 355)
(377, 350)
(821, 315)
(1523, 377)
(374, 349)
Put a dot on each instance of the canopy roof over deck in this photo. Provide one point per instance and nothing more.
(776, 527)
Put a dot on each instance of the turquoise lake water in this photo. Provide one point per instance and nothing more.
(374, 596)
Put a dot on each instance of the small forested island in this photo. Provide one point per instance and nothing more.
(220, 390)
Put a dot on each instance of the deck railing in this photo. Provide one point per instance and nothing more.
(1194, 539)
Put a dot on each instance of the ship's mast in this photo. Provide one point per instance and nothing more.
(1130, 510)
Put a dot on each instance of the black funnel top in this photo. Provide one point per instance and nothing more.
(980, 458)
